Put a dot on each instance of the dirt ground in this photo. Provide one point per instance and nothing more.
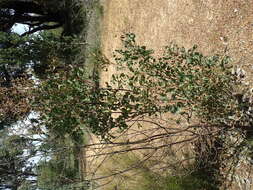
(216, 26)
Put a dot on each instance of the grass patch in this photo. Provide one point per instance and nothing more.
(142, 176)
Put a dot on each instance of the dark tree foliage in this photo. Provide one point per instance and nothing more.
(15, 167)
(27, 56)
(36, 14)
(44, 54)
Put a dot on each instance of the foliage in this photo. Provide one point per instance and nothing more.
(17, 55)
(13, 57)
(54, 174)
(76, 19)
(16, 169)
(42, 15)
(46, 54)
(16, 11)
(30, 161)
(51, 98)
(42, 56)
(183, 82)
(14, 102)
(58, 102)
(39, 50)
(200, 89)
(180, 81)
(60, 169)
